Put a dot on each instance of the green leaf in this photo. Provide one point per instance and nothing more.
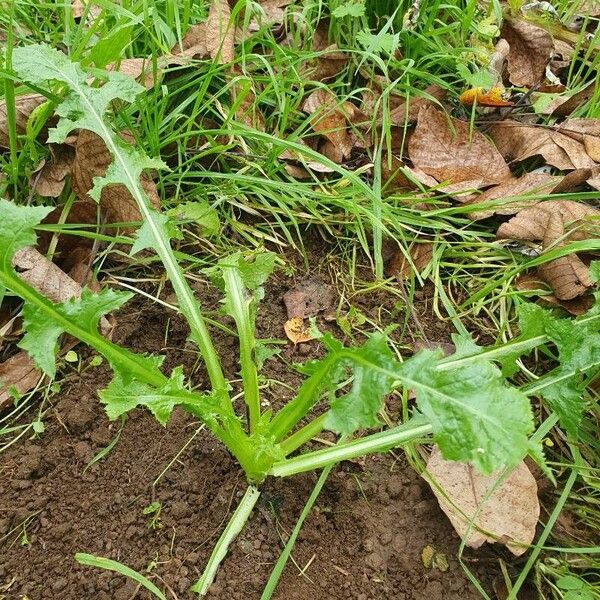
(350, 9)
(17, 225)
(358, 409)
(475, 416)
(199, 212)
(578, 346)
(145, 237)
(382, 42)
(41, 337)
(569, 582)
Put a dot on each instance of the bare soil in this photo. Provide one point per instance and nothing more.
(363, 540)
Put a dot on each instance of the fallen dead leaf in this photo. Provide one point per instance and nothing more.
(92, 159)
(517, 141)
(18, 372)
(587, 131)
(309, 298)
(138, 68)
(420, 254)
(330, 119)
(220, 32)
(193, 44)
(528, 185)
(554, 223)
(296, 331)
(49, 178)
(446, 149)
(509, 516)
(531, 283)
(563, 106)
(407, 112)
(530, 50)
(24, 106)
(247, 111)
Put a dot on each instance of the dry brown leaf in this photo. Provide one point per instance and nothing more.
(309, 298)
(220, 32)
(447, 150)
(327, 65)
(530, 283)
(586, 131)
(193, 44)
(517, 141)
(407, 112)
(247, 112)
(563, 106)
(92, 159)
(555, 223)
(530, 50)
(509, 516)
(78, 9)
(24, 106)
(18, 372)
(48, 179)
(138, 68)
(296, 331)
(399, 266)
(528, 184)
(330, 119)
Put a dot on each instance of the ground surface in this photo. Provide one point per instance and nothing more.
(363, 541)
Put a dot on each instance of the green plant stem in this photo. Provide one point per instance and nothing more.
(304, 434)
(235, 525)
(284, 556)
(9, 100)
(240, 310)
(377, 442)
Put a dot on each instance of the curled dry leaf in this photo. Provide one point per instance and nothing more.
(555, 223)
(220, 32)
(531, 283)
(138, 68)
(49, 178)
(530, 50)
(309, 298)
(330, 119)
(92, 159)
(563, 105)
(420, 256)
(18, 372)
(446, 149)
(193, 44)
(24, 106)
(407, 111)
(517, 141)
(510, 514)
(510, 191)
(296, 331)
(586, 131)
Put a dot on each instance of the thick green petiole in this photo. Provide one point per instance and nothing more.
(378, 442)
(303, 435)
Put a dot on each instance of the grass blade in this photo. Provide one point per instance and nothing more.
(112, 565)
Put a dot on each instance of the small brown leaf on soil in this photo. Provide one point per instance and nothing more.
(18, 372)
(447, 150)
(555, 223)
(420, 254)
(309, 298)
(586, 131)
(517, 141)
(330, 119)
(530, 50)
(48, 179)
(220, 32)
(563, 106)
(92, 159)
(193, 44)
(510, 514)
(296, 331)
(24, 106)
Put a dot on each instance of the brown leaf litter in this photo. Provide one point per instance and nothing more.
(24, 106)
(220, 32)
(508, 516)
(530, 50)
(446, 149)
(555, 223)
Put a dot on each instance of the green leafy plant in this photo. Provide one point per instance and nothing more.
(463, 403)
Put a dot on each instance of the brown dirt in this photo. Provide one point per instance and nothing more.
(363, 540)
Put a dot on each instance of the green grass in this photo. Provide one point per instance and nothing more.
(188, 119)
